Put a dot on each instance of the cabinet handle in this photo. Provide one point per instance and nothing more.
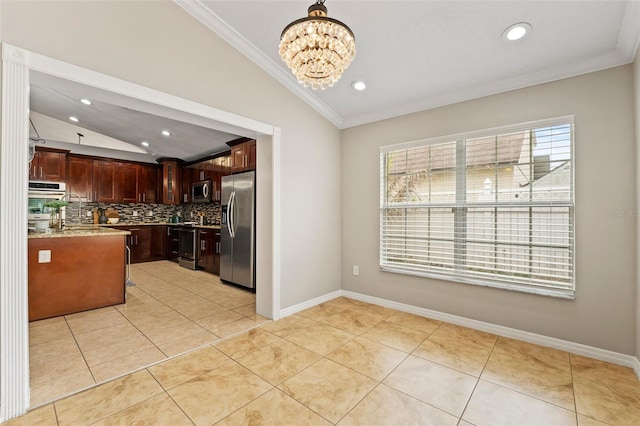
(144, 198)
(168, 232)
(41, 175)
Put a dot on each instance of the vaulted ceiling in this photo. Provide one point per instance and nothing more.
(415, 55)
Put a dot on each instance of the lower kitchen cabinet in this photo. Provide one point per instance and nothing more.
(146, 242)
(209, 250)
(158, 242)
(172, 243)
(83, 273)
(139, 242)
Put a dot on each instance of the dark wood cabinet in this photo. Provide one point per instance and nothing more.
(187, 179)
(148, 184)
(209, 250)
(105, 181)
(84, 273)
(128, 191)
(243, 156)
(216, 252)
(158, 242)
(49, 164)
(79, 177)
(171, 181)
(139, 242)
(172, 243)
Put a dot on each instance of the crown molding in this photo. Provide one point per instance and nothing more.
(629, 36)
(624, 53)
(572, 69)
(206, 16)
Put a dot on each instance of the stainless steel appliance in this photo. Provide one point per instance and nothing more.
(187, 251)
(237, 236)
(201, 192)
(41, 192)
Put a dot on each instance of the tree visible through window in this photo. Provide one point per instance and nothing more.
(491, 209)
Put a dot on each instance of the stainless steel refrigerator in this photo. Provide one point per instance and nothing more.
(237, 230)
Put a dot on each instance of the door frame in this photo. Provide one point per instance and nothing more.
(17, 64)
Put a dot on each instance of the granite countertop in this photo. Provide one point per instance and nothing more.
(109, 225)
(79, 231)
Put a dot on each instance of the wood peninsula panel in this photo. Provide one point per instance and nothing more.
(84, 273)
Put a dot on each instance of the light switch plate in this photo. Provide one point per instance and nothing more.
(44, 256)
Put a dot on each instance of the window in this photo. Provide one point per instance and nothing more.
(492, 208)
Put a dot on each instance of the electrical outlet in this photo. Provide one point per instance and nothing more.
(150, 213)
(89, 214)
(356, 270)
(44, 256)
(135, 212)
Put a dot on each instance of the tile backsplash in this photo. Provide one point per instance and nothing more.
(143, 213)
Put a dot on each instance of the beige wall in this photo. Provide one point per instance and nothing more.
(603, 313)
(158, 45)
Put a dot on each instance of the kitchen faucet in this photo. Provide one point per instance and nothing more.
(70, 194)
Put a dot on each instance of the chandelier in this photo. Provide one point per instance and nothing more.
(317, 48)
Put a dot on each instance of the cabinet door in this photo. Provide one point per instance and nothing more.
(79, 175)
(52, 165)
(250, 152)
(148, 184)
(171, 182)
(105, 175)
(202, 251)
(237, 158)
(173, 243)
(48, 165)
(188, 176)
(143, 243)
(128, 183)
(216, 253)
(158, 240)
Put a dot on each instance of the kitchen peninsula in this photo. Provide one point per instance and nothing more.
(75, 270)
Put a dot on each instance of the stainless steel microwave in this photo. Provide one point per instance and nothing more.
(201, 192)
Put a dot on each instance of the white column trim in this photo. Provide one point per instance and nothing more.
(14, 326)
(277, 214)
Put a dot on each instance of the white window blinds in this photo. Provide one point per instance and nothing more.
(492, 208)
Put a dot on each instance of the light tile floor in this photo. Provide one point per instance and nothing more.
(171, 310)
(350, 363)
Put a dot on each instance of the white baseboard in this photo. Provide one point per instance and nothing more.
(552, 342)
(309, 303)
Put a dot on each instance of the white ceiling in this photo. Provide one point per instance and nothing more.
(128, 120)
(415, 55)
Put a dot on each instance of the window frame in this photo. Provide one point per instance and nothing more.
(567, 292)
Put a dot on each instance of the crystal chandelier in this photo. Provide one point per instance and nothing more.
(317, 48)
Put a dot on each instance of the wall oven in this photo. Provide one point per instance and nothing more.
(41, 192)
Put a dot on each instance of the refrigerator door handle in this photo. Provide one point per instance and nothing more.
(233, 215)
(230, 208)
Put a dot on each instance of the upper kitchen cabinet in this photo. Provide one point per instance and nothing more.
(171, 180)
(137, 183)
(128, 191)
(79, 177)
(105, 179)
(49, 164)
(148, 184)
(243, 155)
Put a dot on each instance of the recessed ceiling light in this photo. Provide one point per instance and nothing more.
(516, 31)
(166, 133)
(359, 85)
(144, 143)
(74, 119)
(86, 101)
